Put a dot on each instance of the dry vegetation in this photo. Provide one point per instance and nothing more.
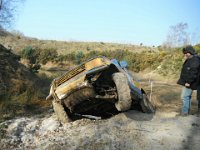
(17, 42)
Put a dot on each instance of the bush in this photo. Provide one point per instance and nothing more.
(68, 57)
(46, 55)
(30, 54)
(197, 48)
(79, 56)
(164, 61)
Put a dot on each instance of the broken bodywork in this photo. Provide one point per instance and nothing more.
(97, 85)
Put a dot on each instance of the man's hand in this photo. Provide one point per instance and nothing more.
(187, 85)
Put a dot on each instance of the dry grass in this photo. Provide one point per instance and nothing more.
(65, 47)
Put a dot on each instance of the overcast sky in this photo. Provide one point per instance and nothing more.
(122, 21)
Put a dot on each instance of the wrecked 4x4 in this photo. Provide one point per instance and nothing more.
(97, 86)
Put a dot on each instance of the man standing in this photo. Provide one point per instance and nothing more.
(189, 79)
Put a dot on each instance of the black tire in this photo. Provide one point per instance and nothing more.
(146, 105)
(123, 92)
(60, 112)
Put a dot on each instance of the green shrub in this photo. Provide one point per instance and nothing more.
(30, 54)
(67, 57)
(79, 56)
(164, 61)
(46, 55)
(197, 48)
(88, 48)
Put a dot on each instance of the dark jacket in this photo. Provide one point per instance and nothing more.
(190, 73)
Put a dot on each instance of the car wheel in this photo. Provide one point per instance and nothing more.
(60, 112)
(123, 92)
(146, 105)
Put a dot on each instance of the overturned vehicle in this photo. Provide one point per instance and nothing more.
(97, 87)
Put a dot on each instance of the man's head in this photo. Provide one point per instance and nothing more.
(188, 51)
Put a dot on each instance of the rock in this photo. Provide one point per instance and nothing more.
(49, 125)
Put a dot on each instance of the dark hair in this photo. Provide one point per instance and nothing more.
(189, 49)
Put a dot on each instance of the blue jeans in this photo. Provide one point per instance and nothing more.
(186, 97)
(198, 96)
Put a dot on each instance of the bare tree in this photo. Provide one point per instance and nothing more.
(7, 12)
(178, 35)
(1, 2)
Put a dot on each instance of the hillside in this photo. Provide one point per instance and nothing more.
(13, 73)
(69, 53)
(17, 42)
(19, 88)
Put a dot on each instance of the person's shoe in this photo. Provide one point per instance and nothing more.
(198, 112)
(183, 114)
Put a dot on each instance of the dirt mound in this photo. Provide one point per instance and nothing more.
(18, 86)
(9, 69)
(14, 77)
(129, 130)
